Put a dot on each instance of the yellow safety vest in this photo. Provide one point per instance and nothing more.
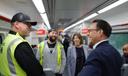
(8, 63)
(59, 46)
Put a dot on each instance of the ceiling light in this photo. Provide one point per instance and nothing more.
(90, 16)
(45, 18)
(39, 5)
(85, 19)
(112, 6)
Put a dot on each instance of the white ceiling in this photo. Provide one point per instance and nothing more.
(115, 16)
(62, 13)
(73, 9)
(9, 7)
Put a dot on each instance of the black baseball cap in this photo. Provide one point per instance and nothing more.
(21, 17)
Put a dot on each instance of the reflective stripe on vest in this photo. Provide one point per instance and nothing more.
(10, 66)
(41, 47)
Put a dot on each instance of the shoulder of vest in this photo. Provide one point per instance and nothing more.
(60, 44)
(20, 41)
(41, 43)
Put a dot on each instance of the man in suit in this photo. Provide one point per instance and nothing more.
(104, 60)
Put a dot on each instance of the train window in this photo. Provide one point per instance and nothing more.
(118, 40)
(85, 40)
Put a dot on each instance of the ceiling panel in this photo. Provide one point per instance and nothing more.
(115, 16)
(9, 8)
(69, 10)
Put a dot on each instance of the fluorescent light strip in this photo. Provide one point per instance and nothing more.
(85, 19)
(73, 25)
(112, 6)
(95, 14)
(90, 16)
(39, 5)
(45, 18)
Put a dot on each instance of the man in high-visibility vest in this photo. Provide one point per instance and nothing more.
(16, 55)
(51, 54)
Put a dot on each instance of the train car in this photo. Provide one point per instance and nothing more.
(68, 17)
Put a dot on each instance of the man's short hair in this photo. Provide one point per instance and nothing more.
(51, 30)
(104, 25)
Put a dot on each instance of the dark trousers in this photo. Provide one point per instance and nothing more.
(58, 74)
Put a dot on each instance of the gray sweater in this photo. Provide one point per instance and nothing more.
(50, 59)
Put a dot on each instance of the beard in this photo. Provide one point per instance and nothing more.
(91, 43)
(52, 39)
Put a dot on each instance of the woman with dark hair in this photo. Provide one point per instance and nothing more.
(76, 55)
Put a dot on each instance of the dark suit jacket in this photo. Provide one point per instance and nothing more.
(125, 59)
(103, 61)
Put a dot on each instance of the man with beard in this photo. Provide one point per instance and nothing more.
(51, 54)
(104, 60)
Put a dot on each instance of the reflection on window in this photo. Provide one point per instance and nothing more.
(118, 40)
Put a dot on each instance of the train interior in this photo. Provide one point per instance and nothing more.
(67, 16)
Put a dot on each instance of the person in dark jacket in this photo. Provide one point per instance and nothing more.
(66, 42)
(17, 55)
(104, 60)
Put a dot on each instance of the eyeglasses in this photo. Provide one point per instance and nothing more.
(89, 30)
